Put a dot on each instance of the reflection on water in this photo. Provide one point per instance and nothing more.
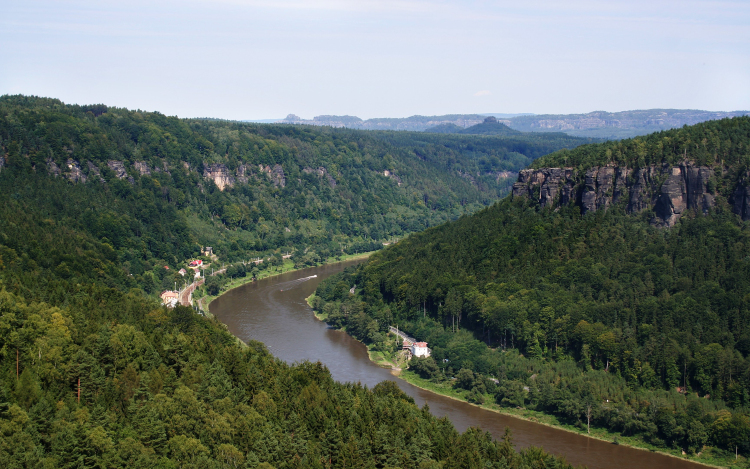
(274, 311)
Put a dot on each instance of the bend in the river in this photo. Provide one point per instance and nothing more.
(274, 311)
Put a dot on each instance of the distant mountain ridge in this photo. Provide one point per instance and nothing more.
(617, 125)
(490, 126)
(597, 124)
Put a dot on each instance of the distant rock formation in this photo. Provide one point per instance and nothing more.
(243, 173)
(75, 174)
(276, 174)
(118, 167)
(52, 168)
(321, 172)
(219, 174)
(667, 190)
(142, 168)
(389, 174)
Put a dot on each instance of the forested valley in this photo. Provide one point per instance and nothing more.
(96, 201)
(605, 318)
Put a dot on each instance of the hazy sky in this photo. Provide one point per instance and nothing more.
(254, 59)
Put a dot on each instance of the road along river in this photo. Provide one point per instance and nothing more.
(274, 311)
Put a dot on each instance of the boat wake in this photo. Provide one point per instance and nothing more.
(293, 283)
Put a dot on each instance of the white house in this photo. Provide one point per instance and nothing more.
(419, 349)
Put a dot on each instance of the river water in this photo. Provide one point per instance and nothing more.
(274, 311)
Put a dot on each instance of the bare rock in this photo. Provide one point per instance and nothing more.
(276, 174)
(118, 168)
(243, 173)
(2, 162)
(75, 174)
(142, 168)
(219, 174)
(389, 174)
(668, 190)
(552, 182)
(52, 168)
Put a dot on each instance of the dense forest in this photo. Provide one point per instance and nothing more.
(156, 188)
(601, 318)
(94, 373)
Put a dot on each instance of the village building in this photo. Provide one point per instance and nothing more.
(196, 263)
(419, 349)
(182, 272)
(170, 298)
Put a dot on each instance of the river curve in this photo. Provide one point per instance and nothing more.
(274, 311)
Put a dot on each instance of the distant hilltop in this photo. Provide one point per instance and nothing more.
(597, 124)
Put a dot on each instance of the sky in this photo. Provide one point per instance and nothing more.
(263, 59)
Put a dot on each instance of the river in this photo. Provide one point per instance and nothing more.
(274, 311)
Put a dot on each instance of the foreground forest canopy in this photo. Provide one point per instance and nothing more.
(93, 373)
(606, 316)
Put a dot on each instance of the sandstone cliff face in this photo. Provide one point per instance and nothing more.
(75, 174)
(219, 174)
(276, 174)
(667, 190)
(142, 168)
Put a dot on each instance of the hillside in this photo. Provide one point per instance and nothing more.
(577, 293)
(94, 202)
(490, 126)
(146, 182)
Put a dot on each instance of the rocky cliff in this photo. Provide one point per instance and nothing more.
(668, 191)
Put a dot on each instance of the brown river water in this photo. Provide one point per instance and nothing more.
(274, 311)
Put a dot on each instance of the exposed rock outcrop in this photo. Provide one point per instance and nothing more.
(243, 173)
(667, 190)
(219, 174)
(118, 168)
(323, 173)
(142, 168)
(276, 174)
(52, 168)
(75, 174)
(389, 174)
(2, 162)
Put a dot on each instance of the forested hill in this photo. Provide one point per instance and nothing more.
(247, 189)
(648, 325)
(93, 373)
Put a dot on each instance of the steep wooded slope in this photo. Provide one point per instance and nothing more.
(603, 305)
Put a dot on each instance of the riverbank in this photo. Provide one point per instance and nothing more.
(204, 302)
(446, 389)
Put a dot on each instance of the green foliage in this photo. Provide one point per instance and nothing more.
(565, 310)
(95, 374)
(711, 143)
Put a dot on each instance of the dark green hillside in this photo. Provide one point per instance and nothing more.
(248, 189)
(718, 142)
(94, 373)
(603, 309)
